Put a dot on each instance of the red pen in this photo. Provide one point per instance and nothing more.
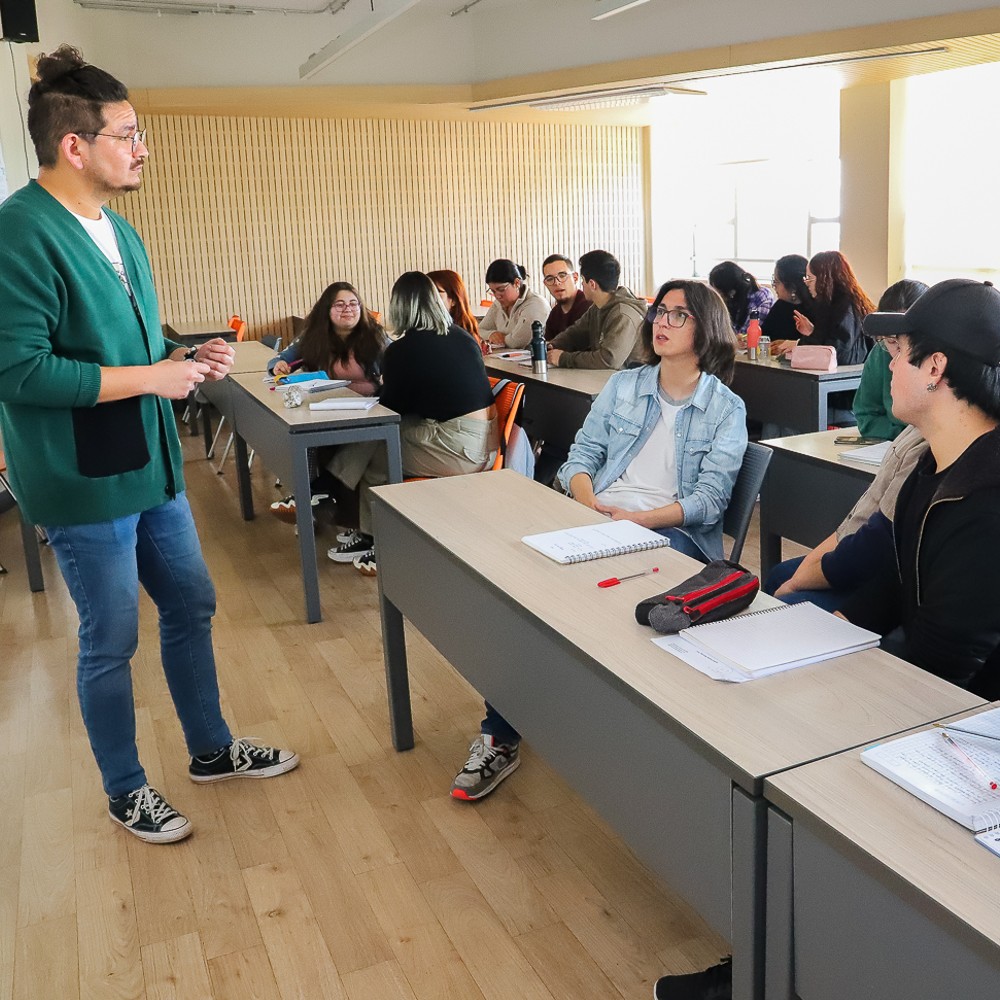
(613, 581)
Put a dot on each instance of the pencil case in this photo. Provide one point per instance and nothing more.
(722, 589)
(814, 358)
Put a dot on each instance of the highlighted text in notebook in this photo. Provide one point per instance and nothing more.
(989, 781)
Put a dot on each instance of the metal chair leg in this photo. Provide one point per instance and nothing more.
(215, 440)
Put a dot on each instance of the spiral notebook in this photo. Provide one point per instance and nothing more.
(953, 777)
(767, 642)
(595, 541)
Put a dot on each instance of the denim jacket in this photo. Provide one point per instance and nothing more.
(711, 438)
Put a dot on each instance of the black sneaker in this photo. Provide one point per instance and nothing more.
(357, 544)
(242, 759)
(365, 564)
(715, 983)
(146, 814)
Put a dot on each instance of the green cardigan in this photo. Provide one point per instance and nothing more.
(64, 314)
(873, 400)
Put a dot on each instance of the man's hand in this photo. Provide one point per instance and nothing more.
(176, 379)
(554, 354)
(219, 357)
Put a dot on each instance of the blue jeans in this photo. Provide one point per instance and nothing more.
(681, 541)
(828, 600)
(498, 727)
(103, 565)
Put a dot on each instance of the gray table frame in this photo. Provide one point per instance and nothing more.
(777, 394)
(804, 498)
(284, 449)
(716, 842)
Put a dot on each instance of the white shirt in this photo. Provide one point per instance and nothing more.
(102, 232)
(650, 481)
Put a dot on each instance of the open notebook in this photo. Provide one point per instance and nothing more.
(954, 777)
(766, 642)
(595, 541)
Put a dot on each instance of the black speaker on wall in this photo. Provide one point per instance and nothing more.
(18, 21)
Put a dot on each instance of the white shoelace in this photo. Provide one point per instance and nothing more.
(479, 755)
(148, 799)
(242, 752)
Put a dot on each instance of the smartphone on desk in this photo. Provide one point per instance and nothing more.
(855, 439)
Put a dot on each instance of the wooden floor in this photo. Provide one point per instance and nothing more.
(355, 876)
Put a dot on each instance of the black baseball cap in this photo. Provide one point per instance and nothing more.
(959, 312)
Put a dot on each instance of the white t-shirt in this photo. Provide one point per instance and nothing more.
(650, 481)
(102, 232)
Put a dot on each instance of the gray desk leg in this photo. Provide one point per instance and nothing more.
(393, 454)
(32, 558)
(770, 530)
(779, 973)
(396, 678)
(307, 536)
(749, 831)
(243, 479)
(822, 407)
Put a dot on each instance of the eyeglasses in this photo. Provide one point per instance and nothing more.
(891, 346)
(809, 278)
(675, 318)
(556, 279)
(135, 138)
(496, 290)
(343, 305)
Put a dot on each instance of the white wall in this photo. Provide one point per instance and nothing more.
(18, 156)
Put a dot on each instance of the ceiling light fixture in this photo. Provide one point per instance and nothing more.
(612, 97)
(608, 8)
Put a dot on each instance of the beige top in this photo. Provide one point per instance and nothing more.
(515, 327)
(902, 456)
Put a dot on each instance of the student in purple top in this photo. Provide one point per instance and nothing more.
(741, 293)
(560, 278)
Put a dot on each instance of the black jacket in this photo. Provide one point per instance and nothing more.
(837, 324)
(946, 595)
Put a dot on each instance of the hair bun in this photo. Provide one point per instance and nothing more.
(66, 59)
(521, 271)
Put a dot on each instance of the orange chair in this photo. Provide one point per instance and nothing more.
(234, 321)
(241, 331)
(508, 402)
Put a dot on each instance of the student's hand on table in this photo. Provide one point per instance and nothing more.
(785, 589)
(281, 368)
(497, 339)
(803, 324)
(176, 379)
(779, 347)
(553, 355)
(219, 357)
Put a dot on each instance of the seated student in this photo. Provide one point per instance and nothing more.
(841, 306)
(831, 571)
(507, 322)
(932, 598)
(872, 400)
(433, 377)
(453, 294)
(791, 293)
(342, 338)
(606, 336)
(741, 293)
(560, 279)
(661, 446)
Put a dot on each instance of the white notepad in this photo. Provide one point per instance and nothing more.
(767, 642)
(595, 541)
(933, 770)
(345, 403)
(872, 454)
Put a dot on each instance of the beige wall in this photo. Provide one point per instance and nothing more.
(257, 216)
(871, 214)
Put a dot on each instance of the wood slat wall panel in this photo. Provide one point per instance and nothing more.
(257, 215)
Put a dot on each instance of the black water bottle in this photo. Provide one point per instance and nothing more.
(539, 356)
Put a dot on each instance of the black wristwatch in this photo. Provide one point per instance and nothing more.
(190, 354)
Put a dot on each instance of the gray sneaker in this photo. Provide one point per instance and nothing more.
(488, 764)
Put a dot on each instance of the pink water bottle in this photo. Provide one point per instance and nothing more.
(753, 336)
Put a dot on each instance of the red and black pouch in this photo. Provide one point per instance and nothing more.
(720, 590)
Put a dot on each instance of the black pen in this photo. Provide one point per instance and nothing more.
(967, 732)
